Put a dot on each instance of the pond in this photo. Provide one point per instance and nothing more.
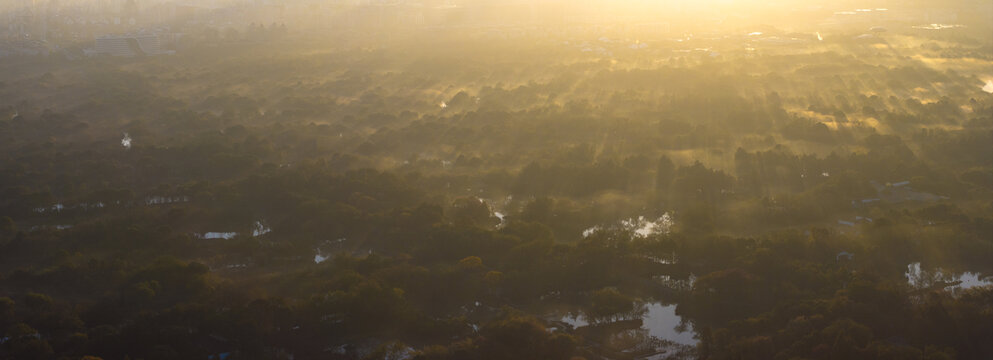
(219, 235)
(970, 280)
(660, 320)
(640, 227)
(921, 278)
(260, 228)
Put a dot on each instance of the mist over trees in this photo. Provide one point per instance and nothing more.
(589, 187)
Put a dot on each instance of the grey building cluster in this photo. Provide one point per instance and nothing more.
(127, 45)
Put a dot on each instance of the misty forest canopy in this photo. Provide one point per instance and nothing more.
(496, 180)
